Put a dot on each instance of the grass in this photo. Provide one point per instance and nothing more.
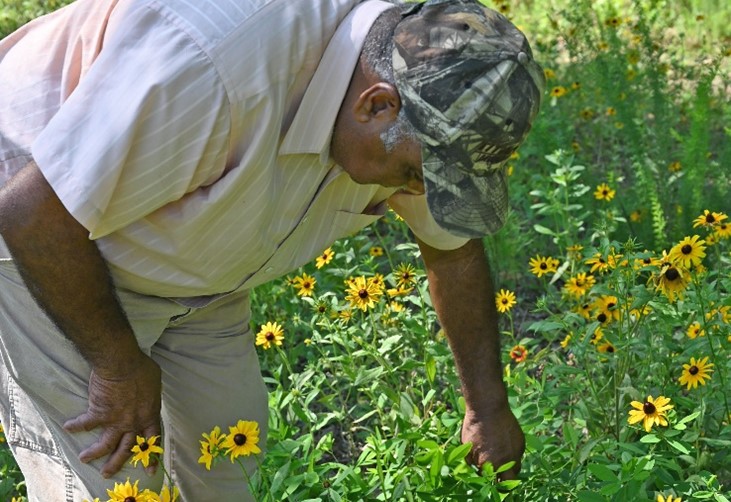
(366, 405)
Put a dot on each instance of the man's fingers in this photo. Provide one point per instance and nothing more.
(83, 423)
(106, 444)
(120, 456)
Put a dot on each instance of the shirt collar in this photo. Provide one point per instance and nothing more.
(311, 129)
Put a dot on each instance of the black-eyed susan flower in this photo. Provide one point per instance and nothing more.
(376, 251)
(610, 111)
(635, 216)
(584, 310)
(575, 85)
(127, 492)
(675, 166)
(270, 334)
(304, 284)
(696, 372)
(598, 263)
(597, 336)
(604, 192)
(651, 412)
(558, 91)
(242, 439)
(688, 252)
(143, 449)
(695, 330)
(671, 281)
(586, 114)
(324, 258)
(613, 21)
(709, 219)
(669, 498)
(396, 292)
(518, 353)
(405, 275)
(575, 251)
(580, 284)
(363, 294)
(377, 281)
(606, 348)
(723, 231)
(549, 73)
(541, 265)
(211, 446)
(505, 300)
(606, 309)
(345, 315)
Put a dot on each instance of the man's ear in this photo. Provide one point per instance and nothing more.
(381, 101)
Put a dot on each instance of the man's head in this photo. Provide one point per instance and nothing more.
(456, 97)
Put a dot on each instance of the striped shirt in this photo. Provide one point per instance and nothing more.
(192, 138)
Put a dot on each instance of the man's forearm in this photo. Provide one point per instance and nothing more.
(65, 271)
(463, 297)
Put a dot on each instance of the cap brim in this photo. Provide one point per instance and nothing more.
(464, 205)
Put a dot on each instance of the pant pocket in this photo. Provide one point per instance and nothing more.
(27, 429)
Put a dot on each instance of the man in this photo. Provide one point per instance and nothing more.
(161, 159)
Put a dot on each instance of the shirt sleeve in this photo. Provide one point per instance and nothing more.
(148, 123)
(414, 210)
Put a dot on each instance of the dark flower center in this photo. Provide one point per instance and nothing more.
(240, 439)
(648, 408)
(693, 370)
(647, 261)
(363, 294)
(321, 309)
(610, 348)
(306, 285)
(611, 305)
(144, 446)
(672, 274)
(269, 336)
(602, 317)
(687, 249)
(130, 499)
(505, 301)
(710, 218)
(579, 283)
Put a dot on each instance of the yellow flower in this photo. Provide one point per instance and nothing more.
(604, 192)
(549, 73)
(270, 334)
(671, 281)
(610, 111)
(695, 330)
(211, 446)
(723, 231)
(597, 336)
(242, 439)
(606, 348)
(689, 251)
(598, 263)
(606, 309)
(586, 114)
(584, 310)
(305, 284)
(324, 258)
(505, 300)
(565, 341)
(395, 292)
(363, 294)
(709, 219)
(167, 496)
(126, 492)
(580, 284)
(635, 216)
(575, 86)
(541, 265)
(143, 449)
(377, 282)
(613, 22)
(405, 275)
(651, 412)
(697, 372)
(396, 306)
(674, 167)
(376, 251)
(558, 91)
(669, 498)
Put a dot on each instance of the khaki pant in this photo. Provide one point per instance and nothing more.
(210, 376)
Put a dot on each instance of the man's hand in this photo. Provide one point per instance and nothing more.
(123, 406)
(496, 438)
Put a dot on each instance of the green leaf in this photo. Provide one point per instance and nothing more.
(543, 230)
(505, 467)
(430, 366)
(586, 496)
(679, 446)
(458, 453)
(649, 439)
(603, 472)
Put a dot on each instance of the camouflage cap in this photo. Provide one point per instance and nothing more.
(471, 88)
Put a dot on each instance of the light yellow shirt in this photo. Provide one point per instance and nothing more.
(191, 138)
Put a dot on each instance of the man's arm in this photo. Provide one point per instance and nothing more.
(68, 277)
(461, 290)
